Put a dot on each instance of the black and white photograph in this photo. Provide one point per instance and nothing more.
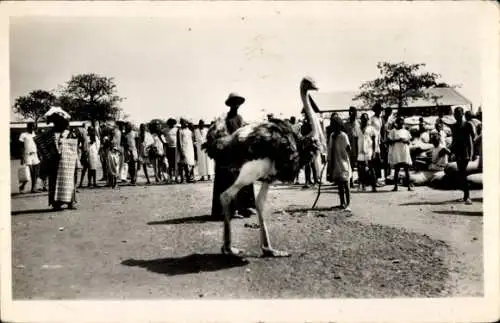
(250, 151)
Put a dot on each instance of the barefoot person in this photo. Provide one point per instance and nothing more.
(30, 155)
(400, 157)
(339, 164)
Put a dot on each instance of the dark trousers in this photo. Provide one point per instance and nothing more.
(462, 175)
(308, 169)
(223, 179)
(132, 170)
(367, 176)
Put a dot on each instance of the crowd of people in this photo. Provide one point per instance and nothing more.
(381, 144)
(375, 146)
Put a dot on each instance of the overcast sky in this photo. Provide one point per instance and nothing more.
(185, 64)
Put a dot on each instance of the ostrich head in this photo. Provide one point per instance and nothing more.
(308, 84)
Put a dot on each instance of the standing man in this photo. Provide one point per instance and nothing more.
(30, 155)
(462, 147)
(376, 124)
(387, 123)
(131, 138)
(367, 143)
(351, 127)
(244, 205)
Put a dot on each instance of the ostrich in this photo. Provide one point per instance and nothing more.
(264, 151)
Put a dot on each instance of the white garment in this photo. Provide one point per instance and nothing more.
(438, 163)
(365, 142)
(376, 123)
(205, 165)
(186, 148)
(400, 151)
(94, 158)
(158, 144)
(30, 154)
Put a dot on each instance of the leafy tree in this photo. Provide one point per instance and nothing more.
(34, 105)
(91, 97)
(398, 84)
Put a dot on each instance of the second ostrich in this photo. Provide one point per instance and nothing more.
(264, 151)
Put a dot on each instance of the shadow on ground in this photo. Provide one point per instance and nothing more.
(31, 211)
(191, 264)
(457, 212)
(191, 219)
(477, 199)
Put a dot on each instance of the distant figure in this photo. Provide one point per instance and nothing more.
(131, 155)
(185, 146)
(339, 165)
(113, 159)
(145, 141)
(30, 156)
(387, 124)
(351, 127)
(376, 124)
(156, 151)
(367, 146)
(306, 131)
(204, 163)
(439, 131)
(171, 148)
(93, 157)
(400, 156)
(463, 148)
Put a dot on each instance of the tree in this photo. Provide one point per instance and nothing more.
(35, 104)
(398, 84)
(91, 97)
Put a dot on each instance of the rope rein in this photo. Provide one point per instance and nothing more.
(319, 186)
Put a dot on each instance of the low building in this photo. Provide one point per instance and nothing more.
(443, 99)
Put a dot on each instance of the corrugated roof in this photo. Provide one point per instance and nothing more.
(338, 101)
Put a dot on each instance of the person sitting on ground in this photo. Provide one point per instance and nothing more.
(439, 131)
(439, 154)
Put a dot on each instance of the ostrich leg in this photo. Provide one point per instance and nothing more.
(267, 249)
(250, 172)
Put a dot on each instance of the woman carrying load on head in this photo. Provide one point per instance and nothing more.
(59, 150)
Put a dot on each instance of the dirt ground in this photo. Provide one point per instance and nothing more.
(158, 242)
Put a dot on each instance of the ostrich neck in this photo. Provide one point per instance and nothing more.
(303, 96)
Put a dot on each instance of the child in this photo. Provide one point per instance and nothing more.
(113, 164)
(400, 157)
(339, 164)
(94, 147)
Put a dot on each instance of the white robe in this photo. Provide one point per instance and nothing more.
(205, 164)
(186, 147)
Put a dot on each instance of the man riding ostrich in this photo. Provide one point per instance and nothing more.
(264, 151)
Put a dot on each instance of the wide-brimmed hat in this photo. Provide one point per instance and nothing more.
(57, 111)
(234, 98)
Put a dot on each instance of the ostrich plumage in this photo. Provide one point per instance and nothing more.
(265, 151)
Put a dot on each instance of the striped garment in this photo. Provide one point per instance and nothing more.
(65, 183)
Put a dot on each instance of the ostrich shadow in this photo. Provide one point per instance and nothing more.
(191, 264)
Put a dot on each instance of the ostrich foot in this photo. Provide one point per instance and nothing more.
(231, 251)
(270, 252)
